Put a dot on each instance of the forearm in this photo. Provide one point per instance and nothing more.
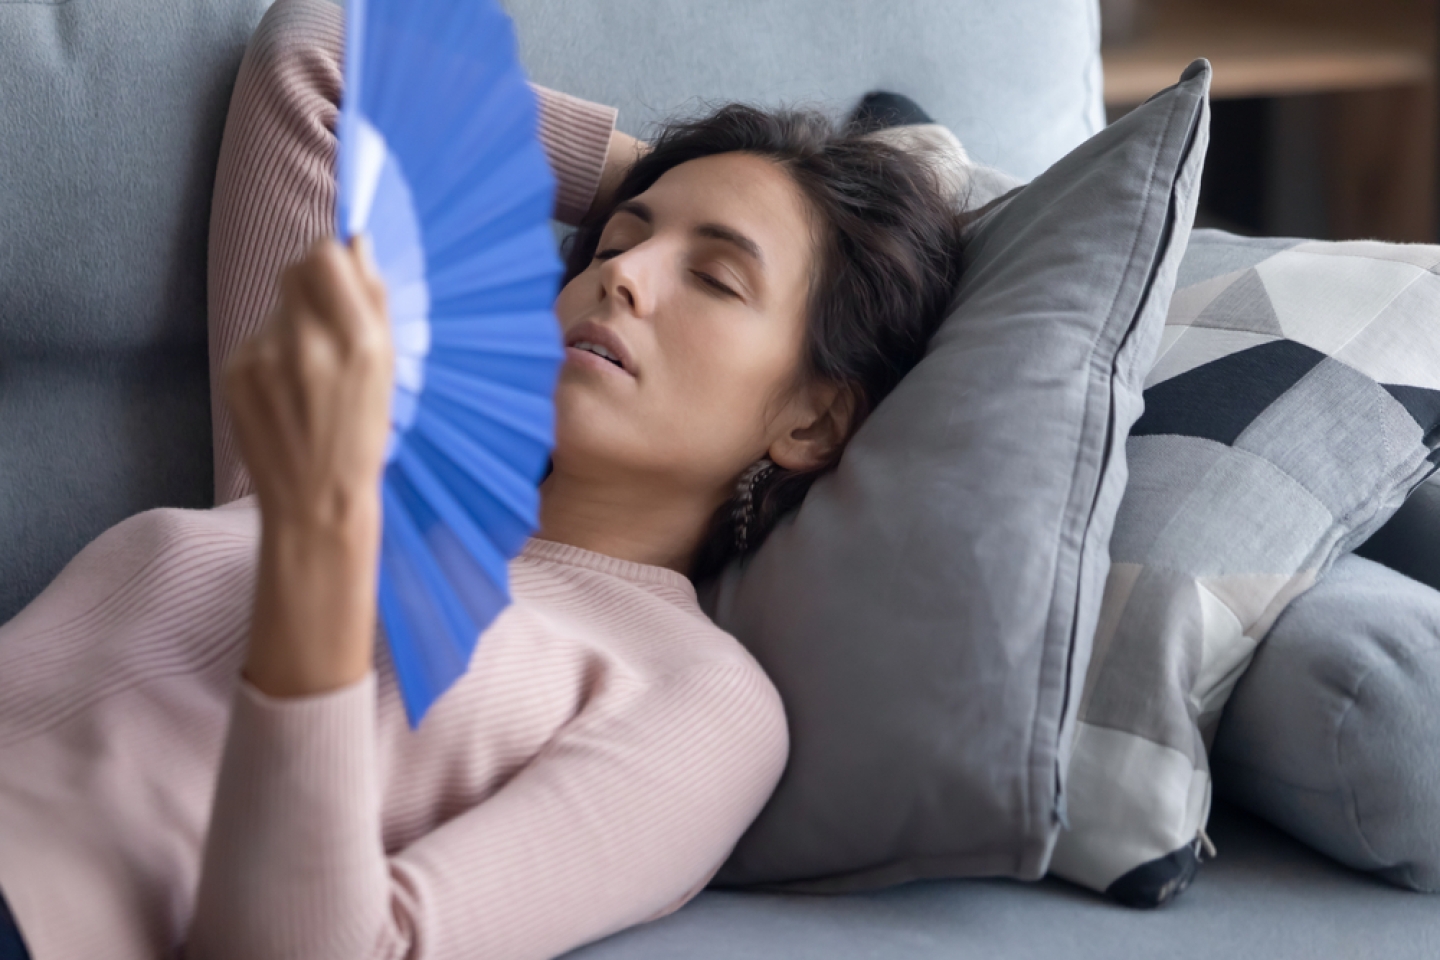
(588, 156)
(294, 865)
(314, 619)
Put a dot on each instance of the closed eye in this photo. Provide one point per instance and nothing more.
(705, 278)
(714, 284)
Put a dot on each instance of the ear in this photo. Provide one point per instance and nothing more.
(817, 426)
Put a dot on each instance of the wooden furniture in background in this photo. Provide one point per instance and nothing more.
(1372, 62)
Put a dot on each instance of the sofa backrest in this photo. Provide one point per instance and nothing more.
(110, 122)
(1018, 81)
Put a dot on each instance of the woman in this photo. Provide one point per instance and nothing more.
(204, 754)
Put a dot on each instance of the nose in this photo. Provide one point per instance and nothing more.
(630, 277)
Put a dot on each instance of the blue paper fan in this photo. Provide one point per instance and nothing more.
(439, 162)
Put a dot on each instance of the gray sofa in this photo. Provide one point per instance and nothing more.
(110, 119)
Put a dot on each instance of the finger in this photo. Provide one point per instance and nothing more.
(372, 286)
(295, 306)
(363, 250)
(370, 340)
(330, 382)
(281, 344)
(265, 435)
(293, 285)
(333, 281)
(356, 357)
(311, 365)
(240, 382)
(319, 369)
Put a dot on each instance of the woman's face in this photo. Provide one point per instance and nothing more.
(700, 286)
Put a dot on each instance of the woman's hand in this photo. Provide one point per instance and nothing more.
(620, 156)
(310, 396)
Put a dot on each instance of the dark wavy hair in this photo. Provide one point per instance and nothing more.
(888, 260)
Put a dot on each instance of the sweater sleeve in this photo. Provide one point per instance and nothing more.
(275, 183)
(621, 818)
(576, 137)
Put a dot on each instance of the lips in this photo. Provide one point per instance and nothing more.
(589, 332)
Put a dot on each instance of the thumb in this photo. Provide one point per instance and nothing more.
(364, 253)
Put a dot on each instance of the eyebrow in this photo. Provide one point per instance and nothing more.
(714, 231)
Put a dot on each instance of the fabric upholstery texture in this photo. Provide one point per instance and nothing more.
(1293, 408)
(1017, 104)
(1331, 732)
(1266, 896)
(926, 613)
(110, 119)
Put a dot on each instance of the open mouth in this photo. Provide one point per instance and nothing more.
(601, 341)
(599, 351)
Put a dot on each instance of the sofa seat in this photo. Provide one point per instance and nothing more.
(1265, 896)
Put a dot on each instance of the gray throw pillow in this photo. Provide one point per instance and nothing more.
(1331, 733)
(1294, 406)
(927, 613)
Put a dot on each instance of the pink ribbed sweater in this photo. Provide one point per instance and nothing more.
(591, 771)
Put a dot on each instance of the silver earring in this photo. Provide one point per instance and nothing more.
(744, 516)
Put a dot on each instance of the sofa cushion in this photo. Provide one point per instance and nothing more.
(926, 614)
(1294, 406)
(110, 122)
(1267, 896)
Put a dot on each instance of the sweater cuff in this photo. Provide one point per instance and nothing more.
(576, 137)
(294, 864)
(305, 766)
(348, 703)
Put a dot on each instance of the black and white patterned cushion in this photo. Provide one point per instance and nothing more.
(1293, 407)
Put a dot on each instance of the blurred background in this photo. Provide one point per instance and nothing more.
(1325, 111)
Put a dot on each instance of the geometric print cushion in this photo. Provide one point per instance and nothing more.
(1294, 405)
